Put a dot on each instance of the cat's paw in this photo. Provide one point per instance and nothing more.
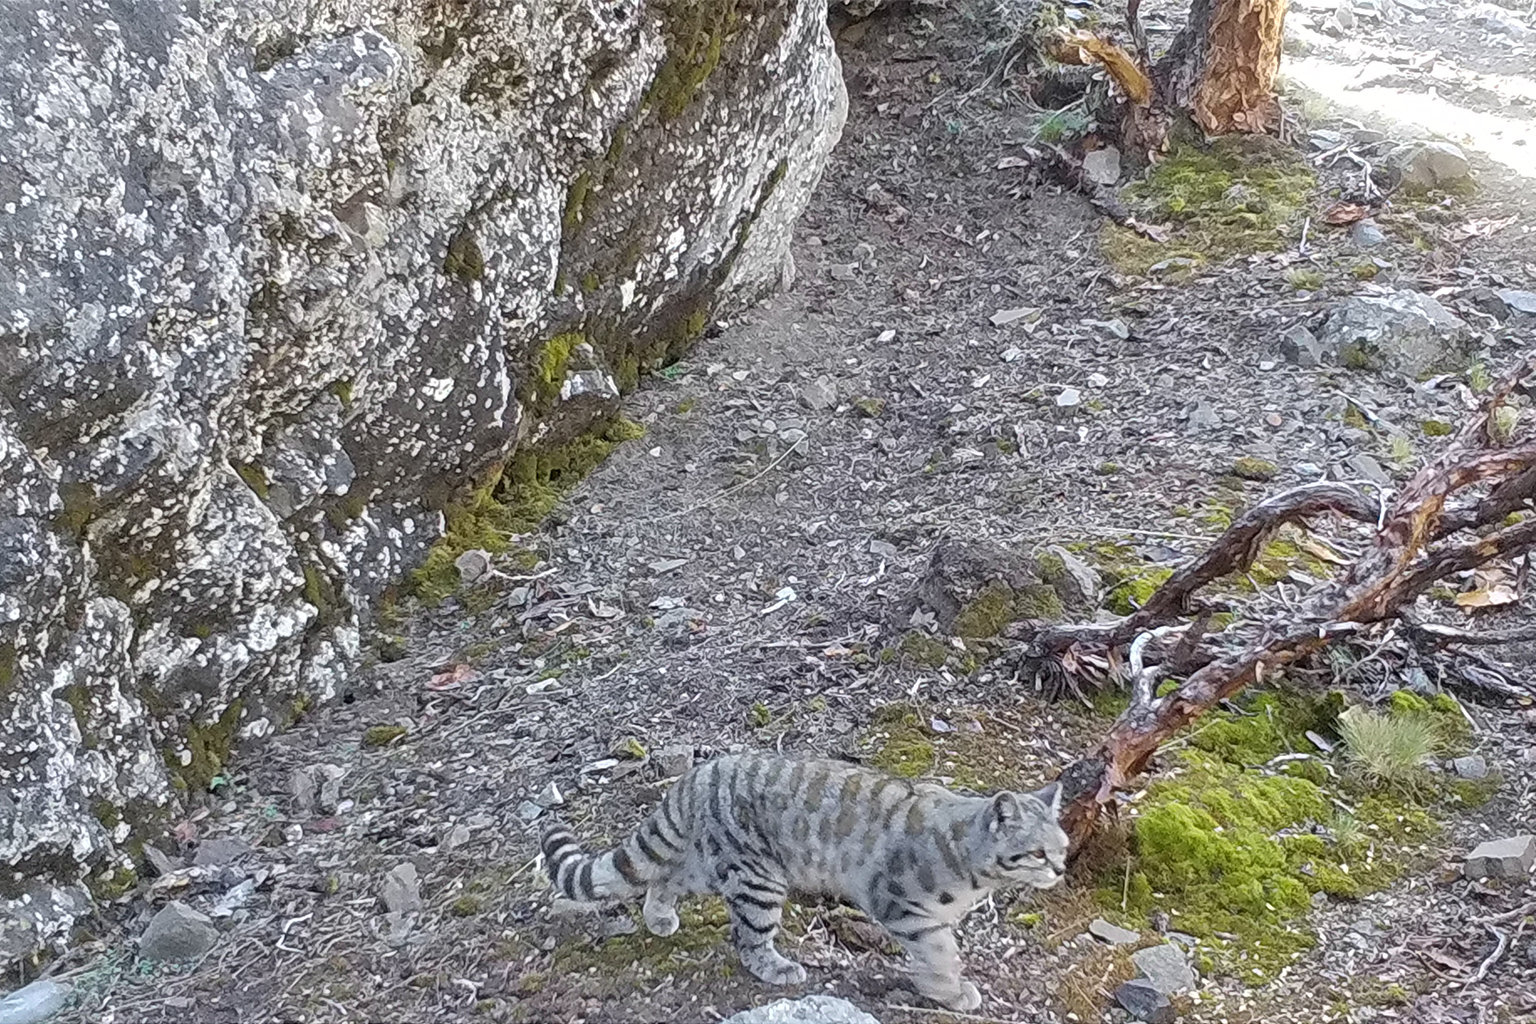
(786, 973)
(775, 970)
(661, 920)
(964, 999)
(970, 998)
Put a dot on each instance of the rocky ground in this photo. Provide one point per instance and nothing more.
(959, 358)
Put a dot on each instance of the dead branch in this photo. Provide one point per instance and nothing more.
(1413, 546)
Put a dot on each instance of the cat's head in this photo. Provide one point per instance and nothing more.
(1020, 840)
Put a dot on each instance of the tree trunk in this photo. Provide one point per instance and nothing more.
(1221, 68)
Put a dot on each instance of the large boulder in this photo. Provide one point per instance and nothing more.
(279, 279)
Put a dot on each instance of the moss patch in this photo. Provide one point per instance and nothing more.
(464, 260)
(700, 942)
(1234, 851)
(1240, 194)
(382, 735)
(209, 745)
(966, 750)
(513, 499)
(998, 604)
(1252, 468)
(900, 742)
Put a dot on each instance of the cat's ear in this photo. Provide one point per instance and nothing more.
(1005, 811)
(1050, 798)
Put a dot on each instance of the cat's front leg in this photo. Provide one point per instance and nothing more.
(936, 964)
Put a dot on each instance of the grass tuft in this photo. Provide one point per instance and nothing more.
(1389, 752)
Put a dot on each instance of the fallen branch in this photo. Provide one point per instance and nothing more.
(1415, 544)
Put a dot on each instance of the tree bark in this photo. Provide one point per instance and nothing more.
(1221, 68)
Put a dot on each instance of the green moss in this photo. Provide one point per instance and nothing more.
(255, 478)
(695, 31)
(80, 506)
(7, 667)
(684, 407)
(209, 746)
(382, 735)
(922, 649)
(113, 884)
(1235, 854)
(1251, 468)
(700, 941)
(901, 743)
(869, 408)
(342, 389)
(464, 260)
(1275, 723)
(1280, 557)
(1364, 271)
(1133, 590)
(513, 499)
(589, 282)
(550, 367)
(576, 202)
(466, 906)
(985, 614)
(321, 592)
(1304, 280)
(1241, 194)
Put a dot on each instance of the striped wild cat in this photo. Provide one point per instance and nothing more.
(756, 827)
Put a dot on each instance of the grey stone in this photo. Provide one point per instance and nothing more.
(1166, 968)
(1144, 1002)
(402, 889)
(551, 796)
(1362, 467)
(1112, 933)
(263, 304)
(301, 784)
(1366, 235)
(1300, 346)
(673, 761)
(329, 800)
(1080, 586)
(806, 1010)
(529, 811)
(1519, 301)
(1102, 166)
(178, 932)
(1430, 164)
(1487, 300)
(1203, 417)
(1404, 330)
(1472, 766)
(218, 852)
(819, 394)
(1502, 858)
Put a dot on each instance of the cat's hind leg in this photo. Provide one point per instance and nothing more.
(660, 910)
(756, 905)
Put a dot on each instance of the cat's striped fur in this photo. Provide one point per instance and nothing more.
(755, 827)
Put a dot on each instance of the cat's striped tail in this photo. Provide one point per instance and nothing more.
(627, 869)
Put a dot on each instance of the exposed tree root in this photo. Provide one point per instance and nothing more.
(1454, 515)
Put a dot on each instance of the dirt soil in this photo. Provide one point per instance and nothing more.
(733, 577)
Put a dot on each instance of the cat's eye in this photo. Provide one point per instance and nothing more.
(1033, 857)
